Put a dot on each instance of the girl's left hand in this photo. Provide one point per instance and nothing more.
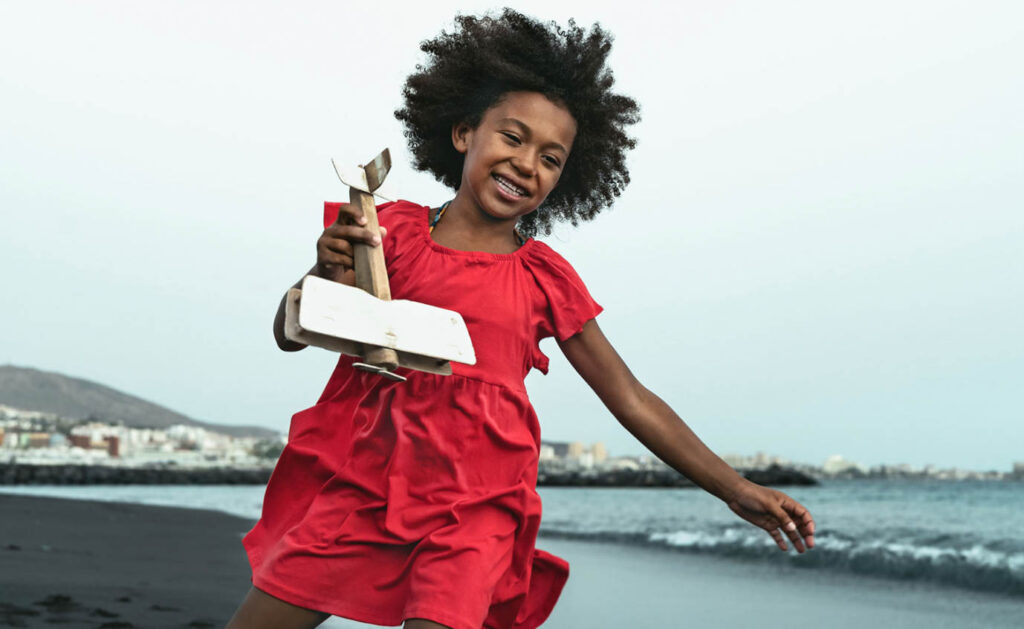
(773, 510)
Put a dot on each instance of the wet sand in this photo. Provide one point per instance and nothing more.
(622, 586)
(80, 563)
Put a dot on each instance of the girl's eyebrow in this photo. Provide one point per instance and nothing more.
(526, 131)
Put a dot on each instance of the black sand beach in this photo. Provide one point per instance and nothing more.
(81, 563)
(93, 564)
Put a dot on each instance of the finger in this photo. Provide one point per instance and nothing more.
(788, 526)
(336, 229)
(802, 518)
(794, 535)
(804, 522)
(338, 245)
(352, 233)
(779, 539)
(350, 213)
(781, 520)
(333, 251)
(332, 259)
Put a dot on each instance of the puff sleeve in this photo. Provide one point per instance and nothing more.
(565, 304)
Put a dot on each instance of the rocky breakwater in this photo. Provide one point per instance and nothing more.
(66, 474)
(774, 476)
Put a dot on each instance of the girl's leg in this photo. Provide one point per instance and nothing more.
(423, 623)
(260, 610)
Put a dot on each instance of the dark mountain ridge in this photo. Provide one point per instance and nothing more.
(48, 392)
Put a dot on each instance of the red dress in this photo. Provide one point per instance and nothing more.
(418, 499)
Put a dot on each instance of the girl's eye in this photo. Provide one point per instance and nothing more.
(511, 136)
(552, 160)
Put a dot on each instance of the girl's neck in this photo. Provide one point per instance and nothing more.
(466, 228)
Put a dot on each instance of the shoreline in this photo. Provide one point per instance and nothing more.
(152, 566)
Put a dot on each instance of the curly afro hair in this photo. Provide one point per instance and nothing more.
(470, 69)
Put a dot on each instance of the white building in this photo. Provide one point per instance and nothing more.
(836, 464)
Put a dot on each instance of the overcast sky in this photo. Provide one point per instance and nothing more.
(821, 251)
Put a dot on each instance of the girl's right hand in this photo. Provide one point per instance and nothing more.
(334, 252)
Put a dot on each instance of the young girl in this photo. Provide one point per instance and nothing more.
(416, 501)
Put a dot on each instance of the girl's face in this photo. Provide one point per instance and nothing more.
(516, 154)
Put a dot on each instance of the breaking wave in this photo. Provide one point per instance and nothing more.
(994, 566)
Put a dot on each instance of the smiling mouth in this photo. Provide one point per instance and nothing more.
(510, 189)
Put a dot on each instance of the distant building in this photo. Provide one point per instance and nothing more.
(559, 449)
(574, 452)
(113, 446)
(623, 463)
(97, 436)
(759, 461)
(35, 439)
(836, 464)
(735, 460)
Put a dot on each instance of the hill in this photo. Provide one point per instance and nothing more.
(34, 390)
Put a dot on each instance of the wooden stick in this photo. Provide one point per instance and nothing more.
(372, 274)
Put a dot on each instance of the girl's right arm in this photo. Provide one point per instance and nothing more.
(333, 261)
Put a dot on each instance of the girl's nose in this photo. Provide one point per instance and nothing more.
(525, 163)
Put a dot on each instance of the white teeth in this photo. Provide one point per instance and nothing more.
(510, 187)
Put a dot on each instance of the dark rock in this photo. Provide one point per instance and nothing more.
(163, 608)
(776, 475)
(10, 609)
(103, 613)
(58, 603)
(74, 474)
(551, 476)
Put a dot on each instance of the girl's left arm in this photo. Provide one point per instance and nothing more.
(655, 424)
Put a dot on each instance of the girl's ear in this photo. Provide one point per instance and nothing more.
(461, 133)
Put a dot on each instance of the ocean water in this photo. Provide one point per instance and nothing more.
(966, 534)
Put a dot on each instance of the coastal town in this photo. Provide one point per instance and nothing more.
(33, 438)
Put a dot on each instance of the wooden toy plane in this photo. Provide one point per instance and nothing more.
(363, 320)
